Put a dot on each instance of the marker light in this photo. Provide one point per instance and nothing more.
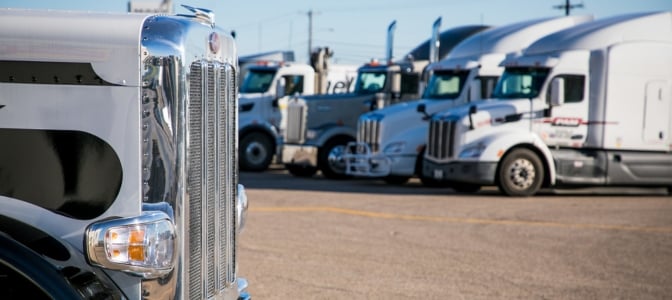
(143, 246)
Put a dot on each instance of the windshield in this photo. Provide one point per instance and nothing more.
(257, 81)
(370, 82)
(520, 83)
(445, 84)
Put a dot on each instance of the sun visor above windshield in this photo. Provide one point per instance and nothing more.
(517, 60)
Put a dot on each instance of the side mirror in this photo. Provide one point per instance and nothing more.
(422, 108)
(557, 91)
(280, 87)
(472, 110)
(475, 90)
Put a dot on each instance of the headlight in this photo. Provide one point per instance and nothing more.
(143, 246)
(473, 151)
(393, 148)
(311, 134)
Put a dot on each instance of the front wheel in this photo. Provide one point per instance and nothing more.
(331, 161)
(256, 152)
(520, 173)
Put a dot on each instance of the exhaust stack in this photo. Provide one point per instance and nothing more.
(390, 41)
(435, 42)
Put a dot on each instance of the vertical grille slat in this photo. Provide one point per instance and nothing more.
(212, 181)
(228, 188)
(441, 135)
(195, 182)
(209, 110)
(369, 133)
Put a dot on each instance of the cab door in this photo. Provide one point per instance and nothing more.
(565, 124)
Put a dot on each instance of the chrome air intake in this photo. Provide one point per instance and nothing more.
(441, 134)
(368, 131)
(211, 179)
(296, 122)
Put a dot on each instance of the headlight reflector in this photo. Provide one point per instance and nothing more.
(393, 148)
(473, 151)
(143, 246)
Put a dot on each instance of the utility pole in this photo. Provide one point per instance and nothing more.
(568, 6)
(310, 32)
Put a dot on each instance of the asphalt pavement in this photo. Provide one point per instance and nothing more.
(314, 238)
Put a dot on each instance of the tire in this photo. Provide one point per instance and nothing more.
(520, 173)
(255, 152)
(301, 171)
(396, 180)
(330, 159)
(426, 181)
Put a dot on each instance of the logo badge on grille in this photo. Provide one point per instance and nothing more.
(214, 42)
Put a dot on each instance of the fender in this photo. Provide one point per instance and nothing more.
(36, 254)
(259, 126)
(414, 137)
(500, 143)
(332, 130)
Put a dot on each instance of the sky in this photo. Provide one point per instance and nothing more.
(356, 29)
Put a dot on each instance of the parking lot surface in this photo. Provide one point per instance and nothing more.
(314, 238)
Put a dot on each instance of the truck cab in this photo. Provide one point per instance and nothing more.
(118, 165)
(573, 110)
(391, 141)
(264, 90)
(319, 127)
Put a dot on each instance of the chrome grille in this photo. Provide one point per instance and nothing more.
(368, 131)
(296, 121)
(212, 181)
(441, 134)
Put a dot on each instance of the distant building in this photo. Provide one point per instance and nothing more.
(162, 7)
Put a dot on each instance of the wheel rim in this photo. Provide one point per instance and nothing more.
(335, 159)
(522, 173)
(255, 153)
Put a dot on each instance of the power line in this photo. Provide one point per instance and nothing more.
(568, 6)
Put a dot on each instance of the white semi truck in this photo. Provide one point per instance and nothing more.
(391, 141)
(118, 161)
(264, 85)
(318, 128)
(587, 106)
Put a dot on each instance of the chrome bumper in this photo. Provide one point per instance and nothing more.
(361, 161)
(299, 155)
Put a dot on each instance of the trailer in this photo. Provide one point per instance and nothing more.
(589, 106)
(391, 141)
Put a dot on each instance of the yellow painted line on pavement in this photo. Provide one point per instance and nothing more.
(379, 215)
